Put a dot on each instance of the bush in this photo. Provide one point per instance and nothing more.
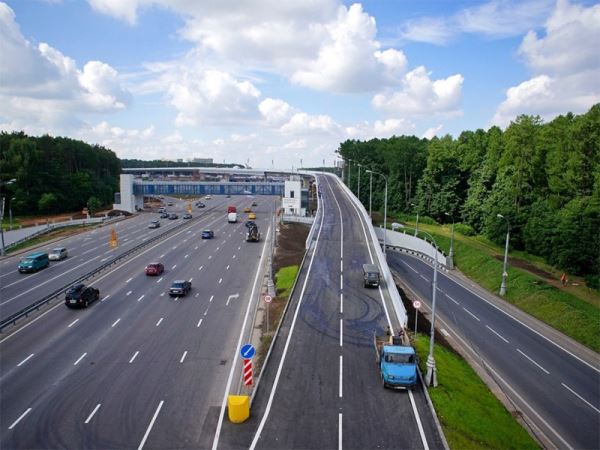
(464, 229)
(593, 281)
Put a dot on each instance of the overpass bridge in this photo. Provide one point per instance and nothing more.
(139, 182)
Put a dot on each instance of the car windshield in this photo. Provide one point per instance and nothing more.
(177, 285)
(399, 359)
(27, 260)
(55, 251)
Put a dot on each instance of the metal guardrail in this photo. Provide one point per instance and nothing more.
(12, 319)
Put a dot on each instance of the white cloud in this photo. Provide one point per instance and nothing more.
(430, 133)
(496, 19)
(276, 111)
(43, 88)
(566, 69)
(121, 9)
(349, 60)
(422, 96)
(301, 123)
(379, 129)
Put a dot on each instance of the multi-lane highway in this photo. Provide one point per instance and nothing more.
(86, 252)
(555, 383)
(322, 388)
(137, 368)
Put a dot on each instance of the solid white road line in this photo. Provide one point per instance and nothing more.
(159, 321)
(418, 418)
(530, 359)
(183, 357)
(424, 277)
(340, 431)
(92, 413)
(410, 267)
(80, 358)
(471, 314)
(25, 360)
(581, 398)
(134, 356)
(72, 323)
(19, 419)
(497, 334)
(116, 322)
(341, 376)
(141, 297)
(151, 425)
(105, 297)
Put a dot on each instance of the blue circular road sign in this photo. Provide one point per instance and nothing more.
(247, 351)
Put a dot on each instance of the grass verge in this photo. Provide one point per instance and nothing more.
(471, 416)
(284, 280)
(61, 232)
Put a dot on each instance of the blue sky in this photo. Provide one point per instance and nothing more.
(270, 82)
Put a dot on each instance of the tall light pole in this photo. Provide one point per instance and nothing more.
(504, 272)
(10, 213)
(417, 224)
(358, 194)
(384, 210)
(431, 375)
(349, 174)
(370, 193)
(2, 249)
(450, 264)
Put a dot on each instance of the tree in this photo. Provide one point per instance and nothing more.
(47, 202)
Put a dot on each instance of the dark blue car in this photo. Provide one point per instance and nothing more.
(208, 234)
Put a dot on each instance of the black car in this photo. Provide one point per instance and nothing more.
(208, 234)
(173, 216)
(187, 216)
(254, 204)
(164, 215)
(180, 287)
(200, 205)
(81, 295)
(250, 224)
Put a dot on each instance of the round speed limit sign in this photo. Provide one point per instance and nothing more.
(416, 304)
(268, 299)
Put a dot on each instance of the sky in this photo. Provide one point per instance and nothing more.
(281, 83)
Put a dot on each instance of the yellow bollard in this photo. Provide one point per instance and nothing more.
(238, 407)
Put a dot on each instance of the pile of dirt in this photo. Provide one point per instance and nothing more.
(290, 249)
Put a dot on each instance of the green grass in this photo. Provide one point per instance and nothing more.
(63, 231)
(471, 416)
(577, 316)
(284, 280)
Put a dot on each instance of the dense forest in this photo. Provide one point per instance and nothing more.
(56, 174)
(543, 177)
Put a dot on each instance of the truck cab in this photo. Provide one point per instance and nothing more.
(231, 209)
(397, 362)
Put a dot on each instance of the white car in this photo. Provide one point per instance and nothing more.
(58, 253)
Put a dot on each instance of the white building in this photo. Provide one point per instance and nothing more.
(292, 198)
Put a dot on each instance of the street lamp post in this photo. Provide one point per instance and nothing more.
(2, 247)
(450, 260)
(417, 224)
(10, 213)
(370, 193)
(431, 375)
(349, 174)
(358, 193)
(384, 210)
(504, 272)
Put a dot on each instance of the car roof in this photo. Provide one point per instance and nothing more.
(153, 263)
(76, 287)
(179, 281)
(58, 249)
(399, 349)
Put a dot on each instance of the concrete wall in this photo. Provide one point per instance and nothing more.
(411, 243)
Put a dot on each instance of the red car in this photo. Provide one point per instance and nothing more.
(154, 269)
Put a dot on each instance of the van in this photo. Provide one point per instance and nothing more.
(232, 217)
(370, 275)
(34, 262)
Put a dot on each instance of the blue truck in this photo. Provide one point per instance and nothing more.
(397, 362)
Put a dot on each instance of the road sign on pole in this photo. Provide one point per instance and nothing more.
(247, 372)
(247, 351)
(268, 298)
(416, 304)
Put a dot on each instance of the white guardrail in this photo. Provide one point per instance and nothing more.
(387, 274)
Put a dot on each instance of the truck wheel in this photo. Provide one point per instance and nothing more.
(383, 382)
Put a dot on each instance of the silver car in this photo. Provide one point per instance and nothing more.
(58, 253)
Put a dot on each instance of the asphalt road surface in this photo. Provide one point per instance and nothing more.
(322, 387)
(557, 390)
(137, 368)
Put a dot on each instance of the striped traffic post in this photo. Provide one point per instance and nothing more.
(247, 371)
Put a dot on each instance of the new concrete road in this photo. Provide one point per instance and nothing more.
(322, 387)
(137, 368)
(87, 251)
(556, 389)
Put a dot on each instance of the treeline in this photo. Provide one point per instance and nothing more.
(56, 174)
(139, 163)
(543, 177)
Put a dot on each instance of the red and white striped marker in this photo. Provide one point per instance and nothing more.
(247, 372)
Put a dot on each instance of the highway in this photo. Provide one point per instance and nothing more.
(558, 391)
(322, 388)
(87, 251)
(137, 369)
